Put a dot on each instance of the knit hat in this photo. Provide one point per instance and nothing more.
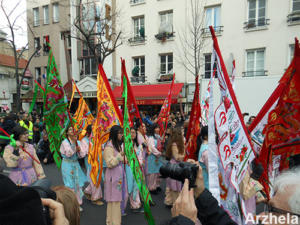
(19, 205)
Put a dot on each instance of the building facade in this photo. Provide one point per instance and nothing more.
(257, 34)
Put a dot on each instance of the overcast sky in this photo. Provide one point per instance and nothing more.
(21, 27)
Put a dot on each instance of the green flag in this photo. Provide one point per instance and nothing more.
(55, 108)
(134, 162)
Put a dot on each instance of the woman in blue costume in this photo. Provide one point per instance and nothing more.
(72, 174)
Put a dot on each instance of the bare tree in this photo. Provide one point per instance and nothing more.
(12, 25)
(192, 39)
(95, 28)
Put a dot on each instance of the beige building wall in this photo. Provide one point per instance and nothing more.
(54, 30)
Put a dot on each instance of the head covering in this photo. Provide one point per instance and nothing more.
(19, 205)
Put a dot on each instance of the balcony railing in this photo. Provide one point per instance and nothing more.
(139, 79)
(165, 77)
(206, 31)
(256, 23)
(137, 39)
(164, 36)
(294, 17)
(255, 73)
(135, 2)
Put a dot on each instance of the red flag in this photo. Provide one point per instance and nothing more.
(194, 125)
(163, 116)
(131, 103)
(282, 132)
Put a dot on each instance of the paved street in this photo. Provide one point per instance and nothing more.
(95, 215)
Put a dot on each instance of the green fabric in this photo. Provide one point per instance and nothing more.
(133, 160)
(11, 138)
(55, 109)
(34, 98)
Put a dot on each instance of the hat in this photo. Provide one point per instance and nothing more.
(19, 205)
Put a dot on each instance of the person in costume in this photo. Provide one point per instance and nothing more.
(176, 153)
(203, 155)
(154, 159)
(133, 191)
(91, 192)
(25, 170)
(114, 176)
(72, 174)
(142, 140)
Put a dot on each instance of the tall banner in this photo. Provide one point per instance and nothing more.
(194, 125)
(131, 103)
(108, 115)
(163, 116)
(133, 160)
(205, 102)
(282, 132)
(235, 145)
(83, 117)
(55, 108)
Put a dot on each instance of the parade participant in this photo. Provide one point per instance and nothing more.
(154, 160)
(72, 174)
(175, 152)
(114, 176)
(28, 125)
(91, 192)
(134, 197)
(25, 170)
(142, 140)
(203, 154)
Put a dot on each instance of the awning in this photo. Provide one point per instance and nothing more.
(153, 94)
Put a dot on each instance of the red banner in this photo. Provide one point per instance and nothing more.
(194, 125)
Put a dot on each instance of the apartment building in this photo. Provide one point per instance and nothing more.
(56, 21)
(257, 34)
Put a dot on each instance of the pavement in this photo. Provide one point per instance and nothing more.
(96, 215)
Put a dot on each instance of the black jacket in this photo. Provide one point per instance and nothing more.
(209, 212)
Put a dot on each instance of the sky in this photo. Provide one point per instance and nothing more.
(20, 25)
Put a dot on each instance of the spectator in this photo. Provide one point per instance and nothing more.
(36, 134)
(43, 150)
(28, 125)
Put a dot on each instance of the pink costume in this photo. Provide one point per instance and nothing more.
(91, 189)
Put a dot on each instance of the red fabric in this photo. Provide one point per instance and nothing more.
(162, 119)
(153, 94)
(282, 133)
(132, 107)
(194, 125)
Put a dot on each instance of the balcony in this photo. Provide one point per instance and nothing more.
(206, 31)
(256, 24)
(164, 36)
(165, 77)
(137, 40)
(255, 73)
(294, 17)
(137, 2)
(138, 79)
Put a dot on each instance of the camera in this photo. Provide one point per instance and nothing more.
(180, 172)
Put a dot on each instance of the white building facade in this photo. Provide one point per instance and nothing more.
(257, 34)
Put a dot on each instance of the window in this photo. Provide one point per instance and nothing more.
(36, 17)
(139, 27)
(166, 64)
(207, 65)
(212, 18)
(37, 43)
(46, 14)
(138, 71)
(256, 13)
(37, 72)
(90, 66)
(255, 62)
(55, 12)
(133, 2)
(46, 48)
(166, 25)
(296, 5)
(291, 53)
